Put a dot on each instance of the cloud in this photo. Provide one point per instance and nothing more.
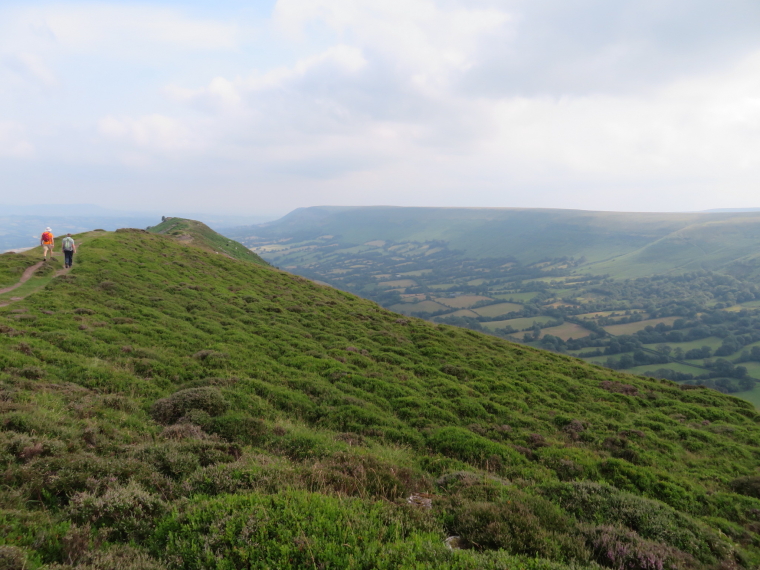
(31, 67)
(152, 132)
(13, 141)
(118, 29)
(485, 102)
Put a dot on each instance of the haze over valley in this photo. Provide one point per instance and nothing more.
(668, 295)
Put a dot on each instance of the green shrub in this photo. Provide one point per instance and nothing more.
(129, 511)
(749, 486)
(623, 549)
(295, 529)
(520, 524)
(12, 558)
(462, 444)
(207, 398)
(239, 427)
(364, 476)
(117, 557)
(653, 520)
(178, 459)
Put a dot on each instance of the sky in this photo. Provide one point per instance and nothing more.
(259, 107)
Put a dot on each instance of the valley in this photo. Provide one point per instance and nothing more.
(667, 295)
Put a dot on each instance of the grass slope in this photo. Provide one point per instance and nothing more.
(200, 235)
(163, 406)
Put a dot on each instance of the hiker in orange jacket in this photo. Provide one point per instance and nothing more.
(47, 241)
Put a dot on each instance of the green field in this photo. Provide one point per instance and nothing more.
(517, 324)
(461, 301)
(399, 283)
(516, 297)
(421, 307)
(566, 331)
(711, 341)
(752, 396)
(645, 370)
(630, 328)
(498, 309)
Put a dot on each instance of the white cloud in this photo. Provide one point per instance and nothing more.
(13, 141)
(113, 28)
(152, 132)
(486, 102)
(31, 67)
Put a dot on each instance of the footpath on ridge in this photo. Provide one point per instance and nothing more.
(24, 278)
(28, 273)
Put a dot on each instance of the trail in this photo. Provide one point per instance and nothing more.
(24, 278)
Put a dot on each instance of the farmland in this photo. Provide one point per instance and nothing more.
(616, 289)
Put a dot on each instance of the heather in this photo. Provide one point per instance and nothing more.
(165, 406)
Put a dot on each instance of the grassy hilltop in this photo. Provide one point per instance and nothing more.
(166, 406)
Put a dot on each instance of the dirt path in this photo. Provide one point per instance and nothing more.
(24, 278)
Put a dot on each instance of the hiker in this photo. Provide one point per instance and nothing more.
(47, 241)
(69, 247)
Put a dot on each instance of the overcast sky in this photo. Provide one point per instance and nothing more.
(245, 107)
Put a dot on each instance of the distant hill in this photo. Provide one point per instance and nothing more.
(191, 232)
(170, 404)
(620, 244)
(21, 227)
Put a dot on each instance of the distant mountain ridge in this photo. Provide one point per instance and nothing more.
(621, 244)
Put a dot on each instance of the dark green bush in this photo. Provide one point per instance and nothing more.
(239, 427)
(653, 520)
(462, 444)
(749, 486)
(519, 524)
(178, 459)
(207, 399)
(623, 549)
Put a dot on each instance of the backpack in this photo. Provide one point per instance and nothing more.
(47, 237)
(68, 244)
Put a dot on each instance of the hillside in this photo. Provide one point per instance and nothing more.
(191, 232)
(591, 284)
(166, 406)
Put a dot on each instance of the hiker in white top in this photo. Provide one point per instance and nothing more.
(69, 249)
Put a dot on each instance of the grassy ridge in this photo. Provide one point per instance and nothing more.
(163, 406)
(200, 235)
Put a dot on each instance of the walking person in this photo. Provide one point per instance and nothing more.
(69, 247)
(47, 241)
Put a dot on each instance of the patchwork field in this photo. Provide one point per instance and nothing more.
(516, 297)
(462, 301)
(566, 331)
(631, 328)
(498, 310)
(422, 307)
(399, 283)
(517, 324)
